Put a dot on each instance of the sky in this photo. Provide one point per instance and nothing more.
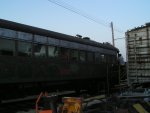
(125, 15)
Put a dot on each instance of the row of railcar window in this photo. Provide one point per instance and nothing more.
(27, 49)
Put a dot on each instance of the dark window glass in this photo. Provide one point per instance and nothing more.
(114, 59)
(97, 57)
(64, 53)
(82, 56)
(53, 51)
(24, 49)
(107, 59)
(7, 47)
(39, 50)
(110, 59)
(90, 57)
(103, 58)
(74, 55)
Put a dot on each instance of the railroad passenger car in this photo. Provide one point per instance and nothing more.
(34, 59)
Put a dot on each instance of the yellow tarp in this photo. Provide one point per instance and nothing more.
(139, 108)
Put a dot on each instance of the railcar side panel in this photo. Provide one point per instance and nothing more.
(34, 59)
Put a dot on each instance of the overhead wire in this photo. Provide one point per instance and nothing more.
(74, 10)
(83, 14)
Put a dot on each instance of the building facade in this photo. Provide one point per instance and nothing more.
(138, 54)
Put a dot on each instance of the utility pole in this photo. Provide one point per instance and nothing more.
(112, 30)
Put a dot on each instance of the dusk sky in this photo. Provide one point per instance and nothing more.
(125, 15)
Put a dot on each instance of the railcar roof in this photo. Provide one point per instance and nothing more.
(39, 31)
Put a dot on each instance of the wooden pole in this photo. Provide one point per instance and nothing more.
(112, 30)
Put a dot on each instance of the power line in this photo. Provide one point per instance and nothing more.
(81, 13)
(74, 10)
(119, 38)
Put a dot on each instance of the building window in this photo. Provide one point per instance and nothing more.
(24, 49)
(7, 47)
(39, 50)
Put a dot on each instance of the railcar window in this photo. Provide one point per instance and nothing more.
(74, 55)
(53, 51)
(82, 56)
(97, 57)
(39, 50)
(114, 59)
(107, 59)
(103, 58)
(24, 49)
(7, 47)
(90, 57)
(111, 59)
(64, 53)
